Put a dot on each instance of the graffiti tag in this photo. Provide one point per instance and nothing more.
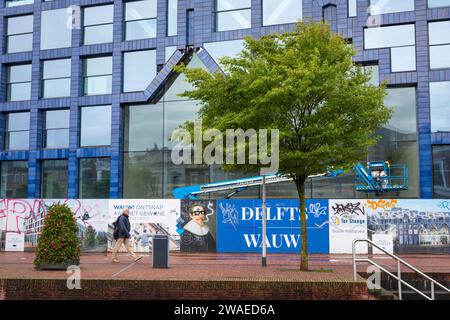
(382, 204)
(348, 209)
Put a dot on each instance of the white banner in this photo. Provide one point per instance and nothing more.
(147, 218)
(348, 221)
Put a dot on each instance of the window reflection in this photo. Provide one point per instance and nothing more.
(54, 179)
(14, 179)
(56, 32)
(279, 12)
(94, 175)
(441, 172)
(95, 126)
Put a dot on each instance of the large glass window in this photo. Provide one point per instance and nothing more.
(441, 172)
(18, 83)
(401, 39)
(233, 14)
(279, 12)
(438, 3)
(94, 175)
(440, 106)
(139, 70)
(95, 126)
(148, 169)
(98, 24)
(19, 36)
(140, 19)
(172, 17)
(390, 6)
(14, 182)
(56, 129)
(439, 40)
(352, 8)
(97, 75)
(221, 49)
(54, 179)
(15, 3)
(56, 78)
(56, 29)
(17, 131)
(398, 143)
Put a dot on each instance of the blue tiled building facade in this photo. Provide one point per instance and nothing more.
(104, 154)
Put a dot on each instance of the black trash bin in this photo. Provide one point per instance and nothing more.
(160, 251)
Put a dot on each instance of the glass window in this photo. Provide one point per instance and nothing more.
(97, 75)
(279, 12)
(438, 3)
(233, 14)
(172, 17)
(390, 6)
(94, 174)
(98, 24)
(56, 78)
(56, 129)
(95, 126)
(352, 8)
(439, 40)
(440, 106)
(169, 51)
(19, 37)
(148, 169)
(56, 29)
(18, 84)
(139, 70)
(14, 182)
(54, 179)
(15, 3)
(403, 59)
(375, 73)
(391, 36)
(224, 48)
(441, 172)
(140, 19)
(17, 131)
(398, 143)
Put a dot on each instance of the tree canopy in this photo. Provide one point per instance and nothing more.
(305, 84)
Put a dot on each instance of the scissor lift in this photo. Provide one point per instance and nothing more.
(381, 177)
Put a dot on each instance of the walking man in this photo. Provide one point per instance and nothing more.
(124, 237)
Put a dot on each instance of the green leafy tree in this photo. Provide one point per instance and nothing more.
(58, 242)
(305, 84)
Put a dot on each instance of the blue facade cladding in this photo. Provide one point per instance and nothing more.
(202, 25)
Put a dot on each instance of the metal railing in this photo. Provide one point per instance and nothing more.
(398, 277)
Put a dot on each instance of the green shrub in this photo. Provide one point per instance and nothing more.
(58, 242)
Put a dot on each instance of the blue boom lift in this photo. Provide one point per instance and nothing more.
(375, 177)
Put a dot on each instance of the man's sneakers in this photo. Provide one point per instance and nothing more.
(138, 258)
(116, 261)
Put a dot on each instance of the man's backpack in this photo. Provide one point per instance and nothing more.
(116, 229)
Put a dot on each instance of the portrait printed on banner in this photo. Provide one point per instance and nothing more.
(199, 226)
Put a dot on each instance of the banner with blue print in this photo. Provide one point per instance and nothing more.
(239, 225)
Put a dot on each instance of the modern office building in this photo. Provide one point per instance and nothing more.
(89, 100)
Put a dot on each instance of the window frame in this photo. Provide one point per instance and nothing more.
(125, 21)
(8, 131)
(436, 45)
(85, 76)
(83, 30)
(8, 36)
(45, 130)
(9, 84)
(42, 93)
(216, 13)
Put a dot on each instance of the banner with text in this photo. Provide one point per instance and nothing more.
(348, 221)
(415, 226)
(147, 218)
(239, 224)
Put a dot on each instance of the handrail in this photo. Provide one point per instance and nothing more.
(398, 277)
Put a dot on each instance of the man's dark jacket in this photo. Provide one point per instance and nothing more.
(124, 227)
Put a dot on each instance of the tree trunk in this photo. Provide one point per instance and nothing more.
(300, 183)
